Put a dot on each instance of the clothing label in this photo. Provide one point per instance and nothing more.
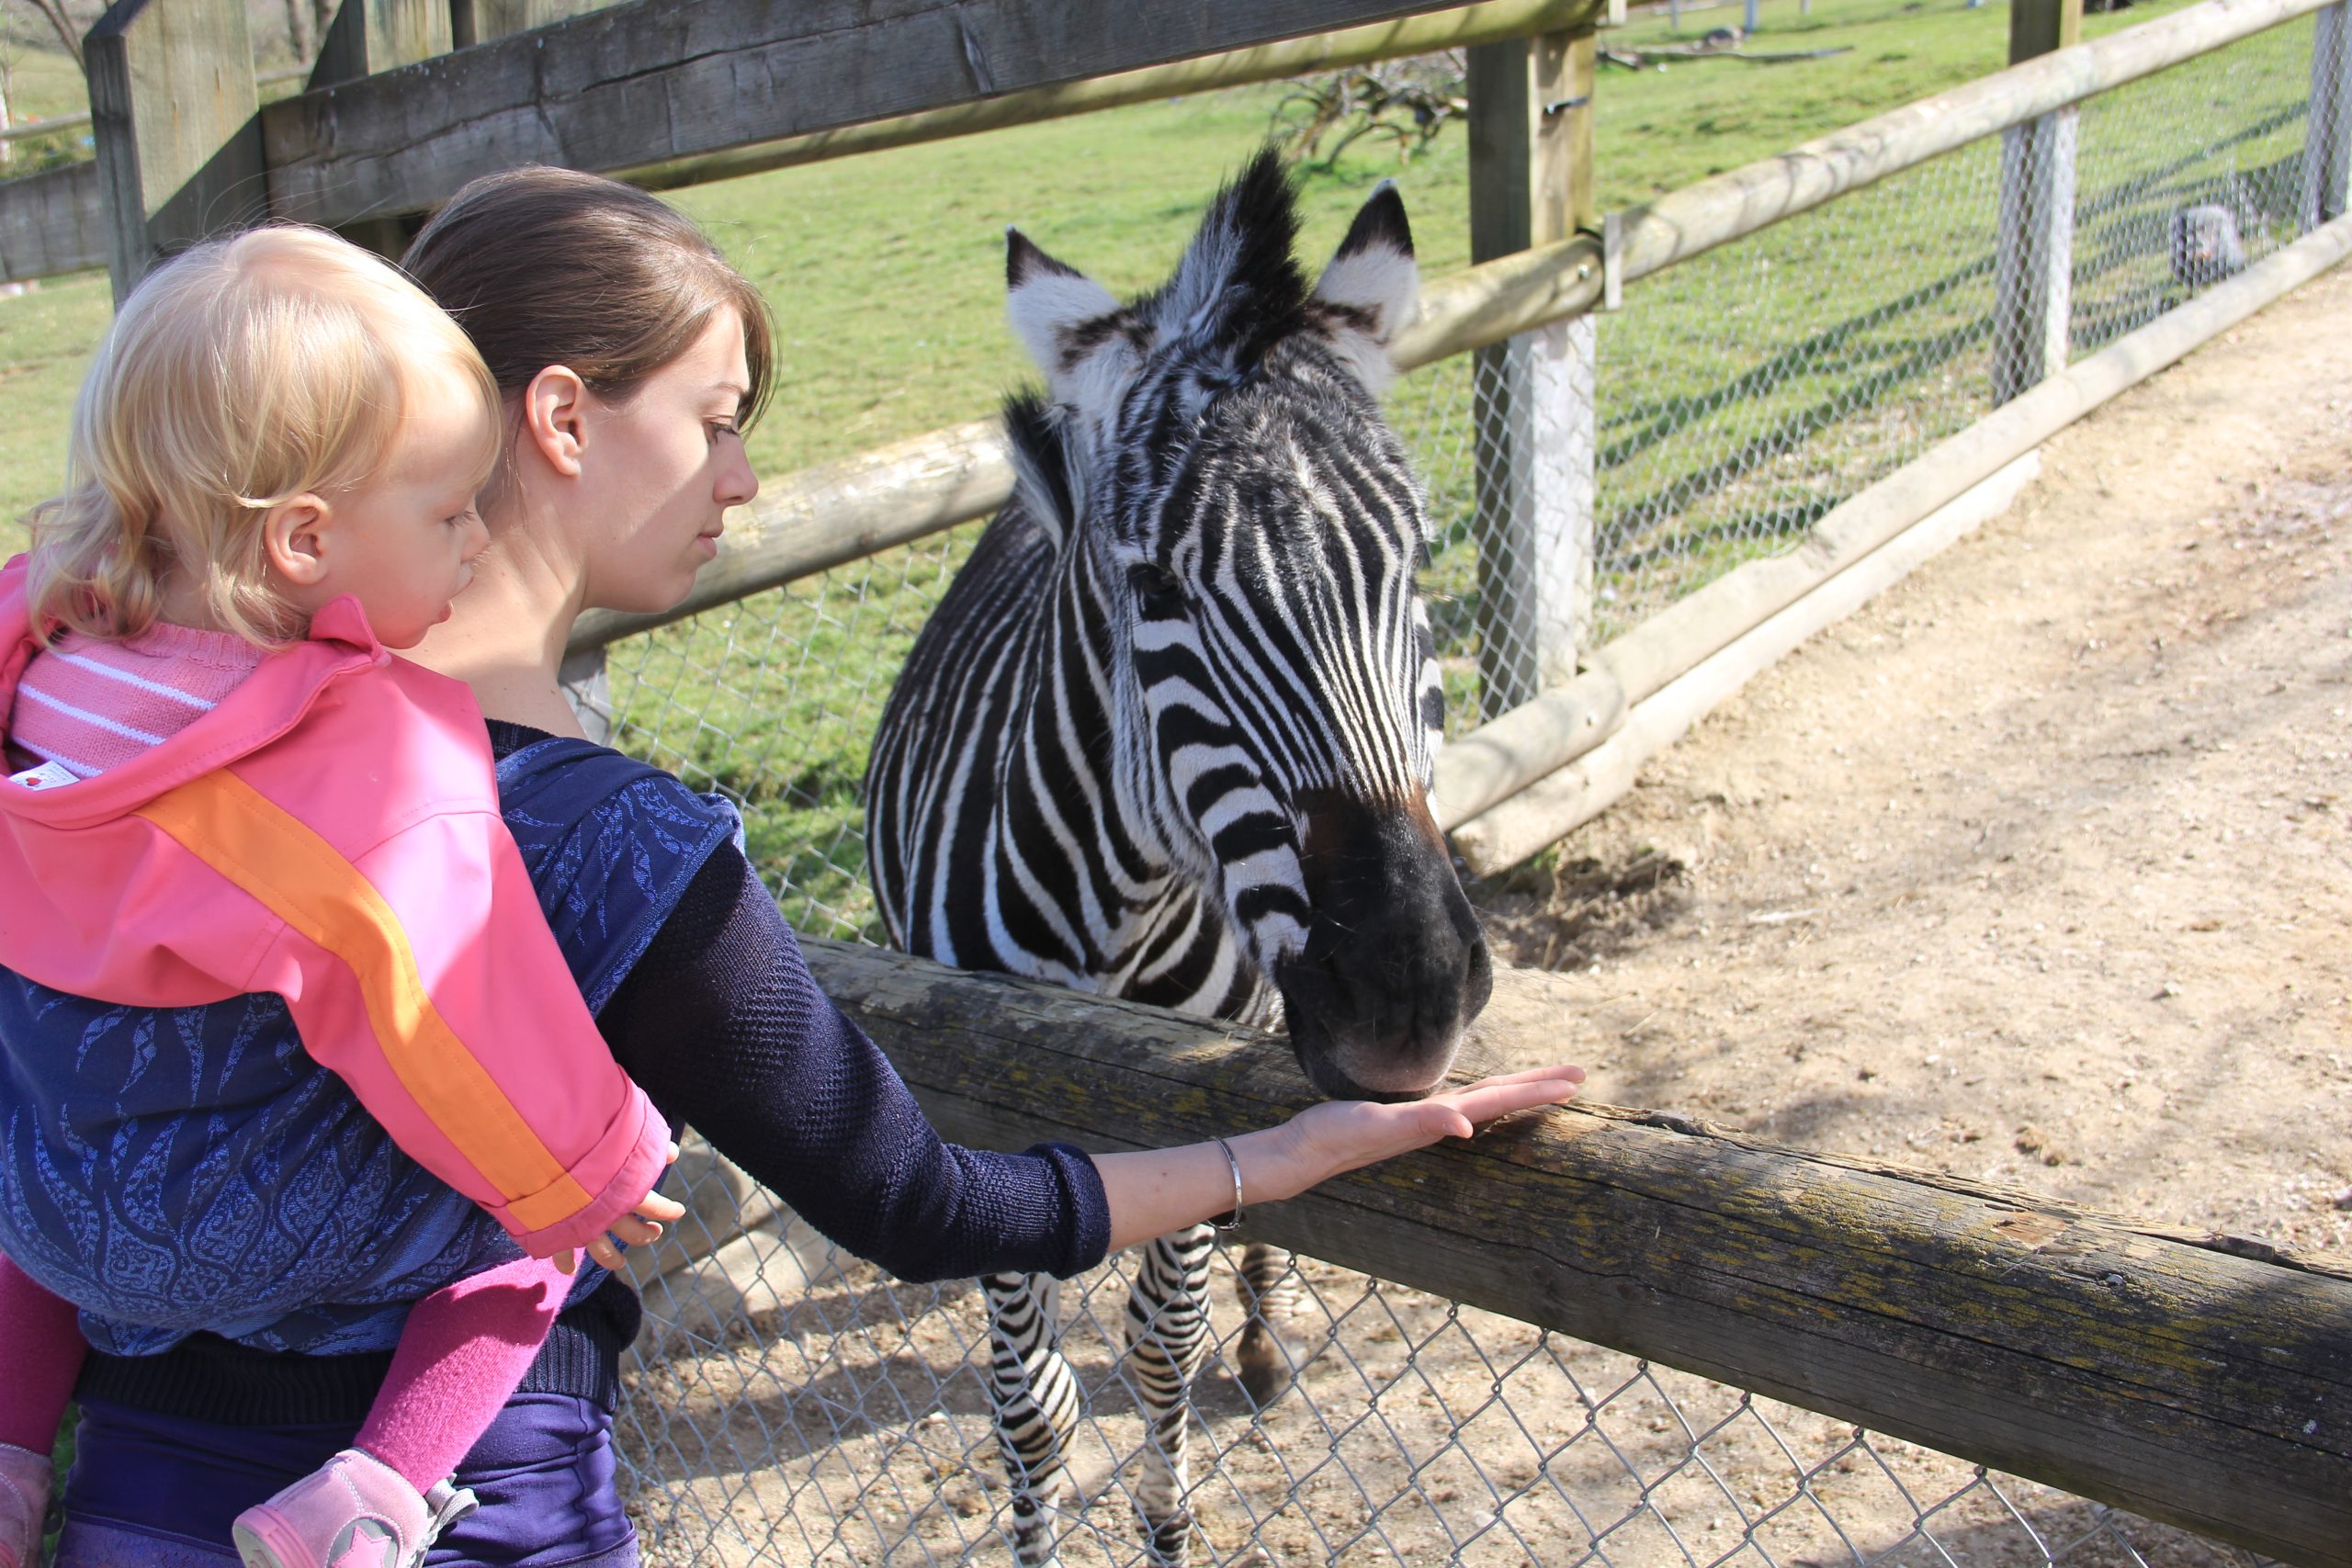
(48, 776)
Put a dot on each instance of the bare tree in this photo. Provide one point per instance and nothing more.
(63, 22)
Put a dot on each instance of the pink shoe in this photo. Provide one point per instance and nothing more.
(353, 1512)
(24, 1503)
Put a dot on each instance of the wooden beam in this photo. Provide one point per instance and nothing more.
(1488, 303)
(836, 512)
(666, 79)
(366, 37)
(2164, 1373)
(49, 222)
(1611, 703)
(173, 109)
(1466, 27)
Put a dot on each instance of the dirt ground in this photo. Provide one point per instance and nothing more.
(2037, 869)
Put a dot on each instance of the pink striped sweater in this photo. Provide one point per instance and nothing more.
(88, 705)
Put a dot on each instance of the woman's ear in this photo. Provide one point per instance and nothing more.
(554, 418)
(295, 536)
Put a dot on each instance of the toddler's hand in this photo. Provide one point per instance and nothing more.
(641, 1225)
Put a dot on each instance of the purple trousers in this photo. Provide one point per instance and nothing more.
(151, 1491)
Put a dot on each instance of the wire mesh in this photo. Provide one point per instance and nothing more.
(789, 1405)
(792, 1406)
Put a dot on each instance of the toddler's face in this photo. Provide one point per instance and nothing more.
(410, 533)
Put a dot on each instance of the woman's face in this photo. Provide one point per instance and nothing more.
(658, 470)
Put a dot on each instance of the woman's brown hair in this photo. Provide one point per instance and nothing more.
(549, 266)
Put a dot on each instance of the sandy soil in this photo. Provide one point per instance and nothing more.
(2036, 869)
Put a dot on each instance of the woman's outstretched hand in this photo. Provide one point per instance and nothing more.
(1347, 1134)
(1153, 1191)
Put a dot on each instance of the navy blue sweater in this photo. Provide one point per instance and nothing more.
(715, 1013)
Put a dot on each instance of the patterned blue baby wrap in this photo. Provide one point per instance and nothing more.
(192, 1169)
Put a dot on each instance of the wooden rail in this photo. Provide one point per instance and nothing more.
(31, 218)
(837, 512)
(52, 222)
(1466, 27)
(661, 80)
(2202, 1380)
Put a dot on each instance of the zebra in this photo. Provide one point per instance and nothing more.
(1171, 733)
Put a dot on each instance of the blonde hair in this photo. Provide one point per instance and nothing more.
(245, 372)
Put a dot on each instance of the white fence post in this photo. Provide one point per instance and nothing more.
(2327, 157)
(1530, 151)
(2034, 256)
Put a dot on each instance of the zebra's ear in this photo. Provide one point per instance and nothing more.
(1369, 291)
(1072, 326)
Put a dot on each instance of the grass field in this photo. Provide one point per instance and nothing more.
(1741, 395)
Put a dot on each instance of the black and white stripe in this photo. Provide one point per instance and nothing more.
(1170, 732)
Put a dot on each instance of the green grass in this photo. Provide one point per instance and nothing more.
(1742, 394)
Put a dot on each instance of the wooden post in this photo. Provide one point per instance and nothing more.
(478, 21)
(175, 114)
(2034, 261)
(2201, 1381)
(366, 37)
(2327, 156)
(1530, 159)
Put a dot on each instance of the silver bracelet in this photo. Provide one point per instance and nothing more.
(1233, 1219)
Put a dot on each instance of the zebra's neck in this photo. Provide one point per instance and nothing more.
(1075, 797)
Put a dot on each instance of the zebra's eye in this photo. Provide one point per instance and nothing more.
(1158, 588)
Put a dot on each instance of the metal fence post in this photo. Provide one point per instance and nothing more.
(583, 680)
(2035, 256)
(1530, 151)
(176, 117)
(2327, 156)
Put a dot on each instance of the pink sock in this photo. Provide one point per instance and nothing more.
(44, 1345)
(460, 1358)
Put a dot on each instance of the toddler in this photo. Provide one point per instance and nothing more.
(221, 783)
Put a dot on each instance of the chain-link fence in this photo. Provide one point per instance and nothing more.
(794, 1405)
(791, 1405)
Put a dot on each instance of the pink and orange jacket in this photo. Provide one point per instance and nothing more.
(331, 832)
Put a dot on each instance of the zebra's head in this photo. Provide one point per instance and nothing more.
(1224, 494)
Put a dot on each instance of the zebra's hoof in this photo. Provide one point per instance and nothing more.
(1266, 1363)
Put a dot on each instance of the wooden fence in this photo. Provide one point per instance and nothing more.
(2195, 1380)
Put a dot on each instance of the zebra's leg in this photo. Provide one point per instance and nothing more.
(1267, 1356)
(1168, 1337)
(1035, 1398)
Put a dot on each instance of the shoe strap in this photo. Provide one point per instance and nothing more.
(446, 1503)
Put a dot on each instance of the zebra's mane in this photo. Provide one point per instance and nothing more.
(1239, 292)
(1044, 474)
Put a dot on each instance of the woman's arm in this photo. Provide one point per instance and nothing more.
(1157, 1191)
(722, 1024)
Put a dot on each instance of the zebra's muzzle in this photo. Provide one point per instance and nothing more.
(1395, 967)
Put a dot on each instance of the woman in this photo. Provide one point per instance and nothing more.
(630, 357)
